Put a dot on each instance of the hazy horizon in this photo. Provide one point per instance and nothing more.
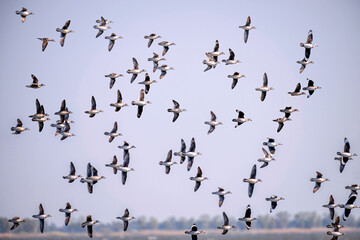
(33, 163)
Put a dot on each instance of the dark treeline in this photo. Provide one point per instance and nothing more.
(268, 221)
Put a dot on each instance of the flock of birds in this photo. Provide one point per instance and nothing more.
(63, 128)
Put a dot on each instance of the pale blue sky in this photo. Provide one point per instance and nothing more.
(33, 163)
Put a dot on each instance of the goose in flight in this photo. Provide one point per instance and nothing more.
(124, 168)
(318, 180)
(252, 180)
(72, 174)
(221, 193)
(113, 77)
(247, 218)
(288, 111)
(213, 123)
(274, 199)
(198, 179)
(126, 218)
(194, 232)
(89, 224)
(264, 87)
(215, 54)
(19, 128)
(119, 104)
(235, 77)
(147, 82)
(247, 28)
(303, 63)
(151, 38)
(182, 152)
(226, 227)
(23, 14)
(113, 133)
(281, 121)
(191, 154)
(140, 103)
(101, 27)
(93, 110)
(308, 44)
(348, 206)
(310, 87)
(176, 110)
(164, 68)
(135, 71)
(271, 145)
(266, 159)
(331, 205)
(35, 83)
(156, 59)
(68, 210)
(63, 31)
(112, 38)
(241, 119)
(167, 163)
(41, 216)
(16, 222)
(166, 46)
(231, 59)
(45, 42)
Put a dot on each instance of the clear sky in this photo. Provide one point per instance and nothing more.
(32, 164)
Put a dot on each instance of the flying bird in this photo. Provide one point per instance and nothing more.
(119, 104)
(235, 77)
(308, 44)
(147, 82)
(247, 218)
(35, 84)
(41, 216)
(247, 28)
(213, 123)
(151, 38)
(274, 199)
(68, 210)
(126, 218)
(19, 128)
(191, 154)
(45, 42)
(264, 87)
(89, 224)
(252, 180)
(198, 179)
(112, 38)
(72, 174)
(23, 14)
(167, 163)
(113, 133)
(240, 119)
(176, 110)
(226, 227)
(231, 59)
(221, 193)
(166, 46)
(318, 180)
(63, 31)
(140, 103)
(331, 205)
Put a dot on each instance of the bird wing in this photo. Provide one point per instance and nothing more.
(119, 96)
(263, 96)
(248, 21)
(124, 176)
(142, 95)
(318, 175)
(38, 106)
(232, 54)
(253, 172)
(139, 112)
(192, 145)
(216, 48)
(281, 125)
(197, 185)
(126, 160)
(67, 24)
(88, 172)
(183, 146)
(248, 212)
(265, 80)
(169, 156)
(115, 128)
(111, 44)
(346, 145)
(250, 189)
(221, 200)
(309, 37)
(211, 129)
(246, 35)
(41, 210)
(165, 50)
(93, 103)
(226, 219)
(42, 223)
(199, 172)
(213, 116)
(136, 65)
(35, 80)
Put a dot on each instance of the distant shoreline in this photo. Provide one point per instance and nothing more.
(162, 233)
